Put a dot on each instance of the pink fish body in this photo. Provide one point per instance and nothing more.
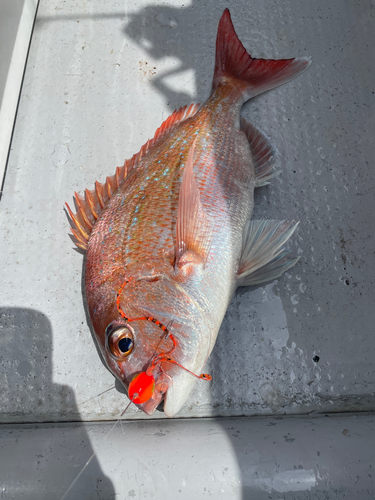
(169, 237)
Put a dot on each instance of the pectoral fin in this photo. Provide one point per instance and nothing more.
(264, 257)
(193, 238)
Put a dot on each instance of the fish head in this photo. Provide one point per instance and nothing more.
(131, 351)
(158, 350)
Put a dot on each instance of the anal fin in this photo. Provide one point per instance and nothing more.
(193, 236)
(264, 257)
(263, 152)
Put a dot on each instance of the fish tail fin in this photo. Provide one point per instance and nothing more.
(258, 75)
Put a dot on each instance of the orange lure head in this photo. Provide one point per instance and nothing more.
(142, 387)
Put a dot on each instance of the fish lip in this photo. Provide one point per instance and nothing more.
(178, 393)
(162, 384)
(181, 389)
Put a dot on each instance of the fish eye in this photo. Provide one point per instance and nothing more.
(119, 341)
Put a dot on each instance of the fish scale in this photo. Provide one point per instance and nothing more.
(169, 237)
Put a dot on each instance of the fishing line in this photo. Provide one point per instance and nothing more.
(147, 318)
(127, 318)
(87, 463)
(106, 437)
(100, 394)
(130, 402)
(162, 338)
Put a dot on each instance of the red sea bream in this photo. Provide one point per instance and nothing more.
(169, 237)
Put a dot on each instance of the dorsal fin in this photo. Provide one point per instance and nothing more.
(90, 206)
(263, 152)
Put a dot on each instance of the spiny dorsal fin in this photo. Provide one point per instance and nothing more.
(174, 119)
(90, 206)
(263, 152)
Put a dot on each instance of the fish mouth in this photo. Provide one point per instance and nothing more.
(173, 391)
(162, 384)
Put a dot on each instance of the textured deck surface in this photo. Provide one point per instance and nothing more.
(100, 79)
(288, 458)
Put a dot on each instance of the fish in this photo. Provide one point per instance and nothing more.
(169, 237)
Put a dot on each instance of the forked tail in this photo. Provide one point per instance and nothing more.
(259, 75)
